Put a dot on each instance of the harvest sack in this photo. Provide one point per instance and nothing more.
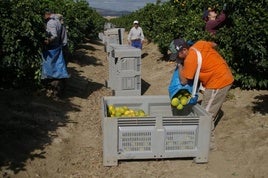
(53, 65)
(175, 84)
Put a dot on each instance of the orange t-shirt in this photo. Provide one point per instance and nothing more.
(214, 72)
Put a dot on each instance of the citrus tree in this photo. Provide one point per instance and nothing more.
(22, 35)
(242, 41)
(20, 43)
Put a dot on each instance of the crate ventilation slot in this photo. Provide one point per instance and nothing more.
(134, 139)
(177, 122)
(181, 138)
(136, 122)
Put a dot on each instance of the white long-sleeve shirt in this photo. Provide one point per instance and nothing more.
(135, 34)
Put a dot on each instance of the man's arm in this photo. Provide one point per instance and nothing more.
(142, 35)
(51, 29)
(183, 80)
(129, 36)
(218, 21)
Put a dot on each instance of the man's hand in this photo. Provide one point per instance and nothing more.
(214, 45)
(49, 40)
(46, 41)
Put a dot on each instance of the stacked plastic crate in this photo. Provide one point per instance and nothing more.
(124, 65)
(125, 71)
(112, 64)
(113, 36)
(108, 25)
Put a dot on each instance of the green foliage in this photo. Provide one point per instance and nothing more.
(20, 40)
(81, 20)
(248, 37)
(242, 41)
(22, 35)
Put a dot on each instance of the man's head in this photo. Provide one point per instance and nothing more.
(136, 23)
(182, 47)
(209, 14)
(47, 14)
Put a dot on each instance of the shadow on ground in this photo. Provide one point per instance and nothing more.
(79, 86)
(26, 124)
(144, 86)
(29, 119)
(81, 56)
(261, 105)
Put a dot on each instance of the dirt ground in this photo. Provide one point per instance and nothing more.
(41, 137)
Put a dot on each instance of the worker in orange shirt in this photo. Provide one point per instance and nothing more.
(215, 74)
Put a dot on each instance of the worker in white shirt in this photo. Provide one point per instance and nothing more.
(136, 36)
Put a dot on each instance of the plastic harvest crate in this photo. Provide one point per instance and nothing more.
(125, 70)
(117, 51)
(108, 25)
(158, 135)
(112, 63)
(113, 36)
(111, 47)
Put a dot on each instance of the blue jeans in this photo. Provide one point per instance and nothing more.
(136, 44)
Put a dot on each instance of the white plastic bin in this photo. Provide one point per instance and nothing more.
(158, 135)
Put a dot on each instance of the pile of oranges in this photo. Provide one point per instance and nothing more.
(181, 99)
(124, 111)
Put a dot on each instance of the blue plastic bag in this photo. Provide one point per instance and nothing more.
(175, 86)
(53, 65)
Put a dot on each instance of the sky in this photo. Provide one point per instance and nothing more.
(120, 5)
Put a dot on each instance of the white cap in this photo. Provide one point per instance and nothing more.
(135, 21)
